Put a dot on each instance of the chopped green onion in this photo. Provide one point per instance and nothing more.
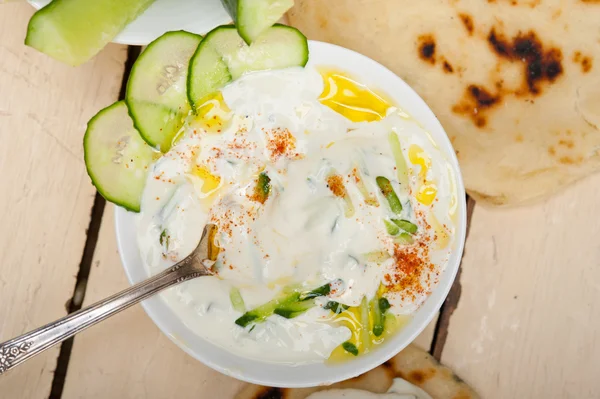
(246, 319)
(289, 305)
(350, 348)
(404, 239)
(293, 309)
(236, 300)
(378, 319)
(378, 308)
(320, 291)
(391, 228)
(401, 169)
(384, 304)
(390, 195)
(336, 307)
(406, 225)
(164, 239)
(287, 313)
(262, 312)
(262, 189)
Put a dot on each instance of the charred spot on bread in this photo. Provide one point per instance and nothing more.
(427, 48)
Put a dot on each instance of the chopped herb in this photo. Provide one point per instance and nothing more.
(390, 195)
(384, 304)
(320, 291)
(164, 239)
(350, 348)
(289, 306)
(246, 319)
(262, 188)
(287, 313)
(378, 309)
(391, 228)
(406, 225)
(335, 307)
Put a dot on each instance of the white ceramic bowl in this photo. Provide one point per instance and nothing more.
(374, 75)
(197, 16)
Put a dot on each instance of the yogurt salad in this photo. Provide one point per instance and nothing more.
(335, 213)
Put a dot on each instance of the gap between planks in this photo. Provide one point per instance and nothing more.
(76, 301)
(441, 327)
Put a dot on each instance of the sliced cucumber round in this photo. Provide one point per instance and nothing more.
(156, 91)
(73, 31)
(253, 17)
(223, 56)
(116, 157)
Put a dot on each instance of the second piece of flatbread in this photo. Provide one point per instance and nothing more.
(413, 364)
(515, 83)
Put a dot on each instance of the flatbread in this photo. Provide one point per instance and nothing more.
(413, 364)
(515, 83)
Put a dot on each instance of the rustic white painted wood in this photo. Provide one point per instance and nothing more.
(45, 195)
(528, 322)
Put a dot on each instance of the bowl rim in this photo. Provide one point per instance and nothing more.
(246, 369)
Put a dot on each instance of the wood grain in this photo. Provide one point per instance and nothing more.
(46, 194)
(528, 321)
(128, 356)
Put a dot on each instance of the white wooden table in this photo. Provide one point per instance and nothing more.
(523, 320)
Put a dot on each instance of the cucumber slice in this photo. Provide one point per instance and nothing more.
(223, 56)
(73, 31)
(156, 91)
(253, 17)
(116, 157)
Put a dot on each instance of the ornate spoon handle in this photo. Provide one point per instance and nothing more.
(19, 349)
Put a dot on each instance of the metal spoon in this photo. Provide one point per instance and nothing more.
(197, 264)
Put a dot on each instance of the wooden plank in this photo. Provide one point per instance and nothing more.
(128, 357)
(528, 321)
(449, 305)
(46, 195)
(425, 339)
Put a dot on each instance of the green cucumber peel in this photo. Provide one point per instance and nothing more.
(391, 228)
(336, 307)
(288, 305)
(405, 225)
(253, 17)
(390, 195)
(350, 348)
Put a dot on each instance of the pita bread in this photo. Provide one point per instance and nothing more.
(515, 83)
(413, 364)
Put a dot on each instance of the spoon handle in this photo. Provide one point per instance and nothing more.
(19, 349)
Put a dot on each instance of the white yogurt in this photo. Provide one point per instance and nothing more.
(301, 234)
